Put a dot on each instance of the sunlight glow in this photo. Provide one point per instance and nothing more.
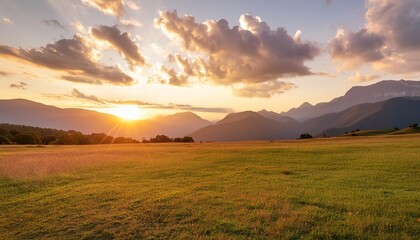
(127, 112)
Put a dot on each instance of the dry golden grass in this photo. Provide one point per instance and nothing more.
(37, 162)
(343, 188)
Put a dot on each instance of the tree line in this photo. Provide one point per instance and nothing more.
(21, 134)
(165, 139)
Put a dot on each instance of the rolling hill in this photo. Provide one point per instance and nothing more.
(247, 126)
(25, 112)
(377, 92)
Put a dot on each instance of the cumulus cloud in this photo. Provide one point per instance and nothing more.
(263, 90)
(357, 48)
(122, 42)
(111, 7)
(174, 78)
(72, 56)
(7, 20)
(77, 94)
(359, 77)
(390, 40)
(246, 54)
(53, 23)
(20, 85)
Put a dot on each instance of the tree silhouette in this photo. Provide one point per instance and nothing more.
(187, 139)
(160, 139)
(27, 138)
(305, 136)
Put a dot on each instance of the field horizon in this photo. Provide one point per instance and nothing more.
(332, 188)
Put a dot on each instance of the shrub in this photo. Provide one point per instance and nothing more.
(160, 139)
(305, 136)
(187, 139)
(27, 138)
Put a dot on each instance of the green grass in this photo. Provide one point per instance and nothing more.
(337, 188)
(407, 131)
(371, 132)
(397, 131)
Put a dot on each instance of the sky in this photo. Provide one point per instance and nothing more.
(147, 58)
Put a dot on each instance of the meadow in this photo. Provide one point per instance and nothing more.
(336, 188)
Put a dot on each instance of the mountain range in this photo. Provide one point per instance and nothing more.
(383, 105)
(25, 112)
(377, 92)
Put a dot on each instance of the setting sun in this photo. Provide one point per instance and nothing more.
(127, 112)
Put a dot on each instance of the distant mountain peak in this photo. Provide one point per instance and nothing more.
(376, 92)
(305, 105)
(265, 112)
(186, 114)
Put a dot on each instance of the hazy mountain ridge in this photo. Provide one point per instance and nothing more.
(377, 92)
(26, 112)
(389, 114)
(248, 125)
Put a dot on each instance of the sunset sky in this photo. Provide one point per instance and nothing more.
(209, 57)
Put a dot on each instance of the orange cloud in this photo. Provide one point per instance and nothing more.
(111, 7)
(263, 90)
(359, 77)
(72, 56)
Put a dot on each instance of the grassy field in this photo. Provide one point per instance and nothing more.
(365, 133)
(338, 188)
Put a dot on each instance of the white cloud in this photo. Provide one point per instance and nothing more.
(7, 20)
(130, 22)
